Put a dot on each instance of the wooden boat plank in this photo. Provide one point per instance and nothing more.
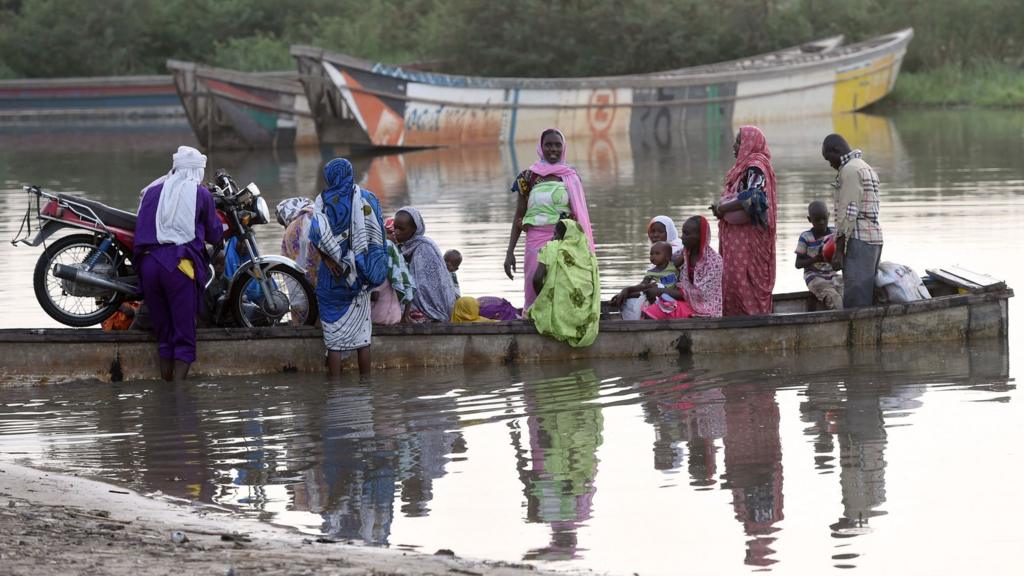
(954, 280)
(983, 280)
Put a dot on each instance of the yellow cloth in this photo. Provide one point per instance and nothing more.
(467, 309)
(185, 265)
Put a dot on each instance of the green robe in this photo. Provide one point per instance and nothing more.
(568, 308)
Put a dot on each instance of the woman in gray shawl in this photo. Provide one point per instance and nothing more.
(435, 293)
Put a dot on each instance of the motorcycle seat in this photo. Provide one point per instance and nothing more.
(110, 216)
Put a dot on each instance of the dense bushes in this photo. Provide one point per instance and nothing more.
(40, 38)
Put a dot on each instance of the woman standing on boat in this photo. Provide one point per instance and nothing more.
(746, 227)
(348, 231)
(545, 191)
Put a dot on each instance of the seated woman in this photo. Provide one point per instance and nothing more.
(629, 300)
(699, 290)
(568, 304)
(435, 293)
(497, 308)
(467, 309)
(391, 300)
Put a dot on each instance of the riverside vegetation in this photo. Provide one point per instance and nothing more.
(964, 51)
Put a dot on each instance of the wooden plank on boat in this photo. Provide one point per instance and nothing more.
(962, 278)
(983, 280)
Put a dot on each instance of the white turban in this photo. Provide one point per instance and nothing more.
(176, 210)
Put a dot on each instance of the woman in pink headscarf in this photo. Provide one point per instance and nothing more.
(545, 191)
(746, 227)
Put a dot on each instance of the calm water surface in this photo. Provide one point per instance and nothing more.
(901, 461)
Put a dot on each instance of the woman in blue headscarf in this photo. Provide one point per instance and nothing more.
(348, 231)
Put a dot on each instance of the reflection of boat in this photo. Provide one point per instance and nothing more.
(232, 109)
(361, 103)
(948, 316)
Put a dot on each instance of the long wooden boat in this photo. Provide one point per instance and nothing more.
(139, 96)
(359, 103)
(228, 109)
(60, 354)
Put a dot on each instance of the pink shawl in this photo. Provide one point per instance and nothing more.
(577, 199)
(753, 152)
(701, 281)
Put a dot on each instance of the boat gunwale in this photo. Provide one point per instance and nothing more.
(79, 82)
(633, 104)
(57, 335)
(287, 82)
(682, 77)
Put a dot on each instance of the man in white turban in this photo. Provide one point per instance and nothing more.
(177, 218)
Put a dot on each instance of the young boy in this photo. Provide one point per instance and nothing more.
(663, 274)
(453, 259)
(821, 279)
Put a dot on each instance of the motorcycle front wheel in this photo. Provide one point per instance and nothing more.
(291, 302)
(70, 303)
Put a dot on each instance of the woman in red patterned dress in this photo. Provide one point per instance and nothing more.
(746, 227)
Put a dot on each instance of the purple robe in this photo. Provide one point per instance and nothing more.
(173, 299)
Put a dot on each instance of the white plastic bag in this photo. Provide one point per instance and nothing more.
(900, 283)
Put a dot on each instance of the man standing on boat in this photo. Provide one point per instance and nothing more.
(858, 233)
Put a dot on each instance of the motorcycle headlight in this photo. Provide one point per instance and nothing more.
(262, 210)
(253, 189)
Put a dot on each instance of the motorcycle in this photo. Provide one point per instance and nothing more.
(83, 278)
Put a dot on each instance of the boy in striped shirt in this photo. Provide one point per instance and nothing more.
(821, 279)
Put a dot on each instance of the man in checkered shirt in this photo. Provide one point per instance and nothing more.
(858, 233)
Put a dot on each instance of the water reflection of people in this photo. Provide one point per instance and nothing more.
(559, 470)
(753, 465)
(175, 459)
(854, 420)
(372, 448)
(357, 476)
(682, 412)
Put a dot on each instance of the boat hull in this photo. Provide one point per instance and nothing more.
(228, 109)
(115, 96)
(60, 354)
(356, 103)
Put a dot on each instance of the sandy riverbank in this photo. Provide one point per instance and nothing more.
(57, 524)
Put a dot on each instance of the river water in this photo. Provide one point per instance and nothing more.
(904, 460)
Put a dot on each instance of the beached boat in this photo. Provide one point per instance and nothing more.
(979, 312)
(98, 97)
(358, 103)
(228, 109)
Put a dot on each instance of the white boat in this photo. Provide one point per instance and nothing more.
(359, 103)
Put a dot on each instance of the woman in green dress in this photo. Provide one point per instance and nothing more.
(568, 304)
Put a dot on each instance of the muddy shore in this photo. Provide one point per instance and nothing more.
(54, 524)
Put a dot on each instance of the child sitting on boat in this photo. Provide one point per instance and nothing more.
(663, 273)
(452, 260)
(824, 282)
